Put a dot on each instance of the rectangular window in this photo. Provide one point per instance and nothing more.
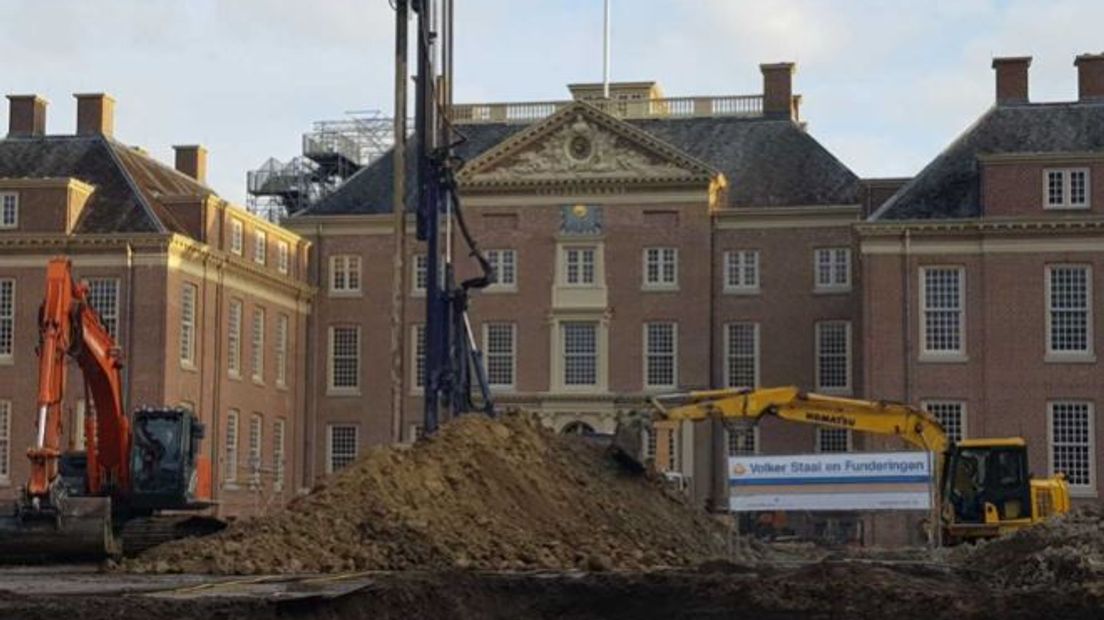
(580, 352)
(416, 432)
(1066, 188)
(260, 247)
(419, 350)
(258, 344)
(951, 415)
(421, 273)
(1069, 310)
(660, 355)
(103, 296)
(345, 274)
(833, 356)
(281, 349)
(741, 271)
(187, 324)
(833, 440)
(233, 338)
(256, 431)
(9, 210)
(283, 258)
(661, 267)
(499, 342)
(7, 317)
(504, 266)
(344, 358)
(579, 265)
(236, 236)
(230, 476)
(278, 446)
(5, 440)
(742, 441)
(742, 355)
(942, 317)
(1071, 443)
(833, 268)
(342, 446)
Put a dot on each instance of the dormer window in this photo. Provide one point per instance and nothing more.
(9, 209)
(1066, 188)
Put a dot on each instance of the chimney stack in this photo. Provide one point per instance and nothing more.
(1012, 79)
(95, 114)
(778, 100)
(26, 115)
(192, 160)
(1090, 77)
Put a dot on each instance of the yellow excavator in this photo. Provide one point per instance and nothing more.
(984, 485)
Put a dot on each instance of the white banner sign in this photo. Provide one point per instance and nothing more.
(844, 481)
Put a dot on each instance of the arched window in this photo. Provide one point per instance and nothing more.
(577, 428)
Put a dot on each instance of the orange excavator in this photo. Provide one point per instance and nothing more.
(111, 496)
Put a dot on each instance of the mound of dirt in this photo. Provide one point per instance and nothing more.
(484, 494)
(1063, 550)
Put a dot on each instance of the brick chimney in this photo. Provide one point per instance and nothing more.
(191, 160)
(778, 100)
(1090, 77)
(1012, 79)
(26, 115)
(95, 114)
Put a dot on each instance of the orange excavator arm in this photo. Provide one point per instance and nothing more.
(68, 325)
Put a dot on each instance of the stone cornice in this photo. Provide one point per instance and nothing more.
(45, 182)
(975, 225)
(1046, 158)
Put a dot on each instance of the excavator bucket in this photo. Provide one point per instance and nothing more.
(627, 447)
(76, 528)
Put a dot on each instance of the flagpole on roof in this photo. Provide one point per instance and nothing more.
(606, 55)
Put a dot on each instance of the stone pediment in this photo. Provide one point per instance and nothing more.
(580, 145)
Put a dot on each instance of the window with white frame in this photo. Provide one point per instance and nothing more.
(1069, 310)
(344, 273)
(660, 267)
(1066, 188)
(279, 439)
(660, 355)
(421, 273)
(103, 296)
(579, 348)
(283, 256)
(416, 432)
(1071, 442)
(233, 338)
(833, 356)
(188, 292)
(7, 317)
(260, 247)
(951, 415)
(418, 347)
(341, 444)
(741, 271)
(833, 268)
(504, 268)
(742, 440)
(742, 355)
(649, 442)
(256, 433)
(344, 357)
(236, 233)
(258, 344)
(230, 476)
(499, 342)
(579, 265)
(9, 210)
(942, 314)
(5, 440)
(281, 349)
(672, 437)
(833, 440)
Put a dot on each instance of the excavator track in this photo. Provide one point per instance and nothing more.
(144, 533)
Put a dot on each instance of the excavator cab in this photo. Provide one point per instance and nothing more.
(166, 460)
(987, 485)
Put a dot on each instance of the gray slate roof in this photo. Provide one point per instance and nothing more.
(766, 162)
(950, 187)
(129, 184)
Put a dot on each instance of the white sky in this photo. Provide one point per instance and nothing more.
(886, 83)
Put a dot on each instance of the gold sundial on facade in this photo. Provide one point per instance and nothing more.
(579, 211)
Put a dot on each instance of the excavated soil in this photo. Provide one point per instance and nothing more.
(481, 494)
